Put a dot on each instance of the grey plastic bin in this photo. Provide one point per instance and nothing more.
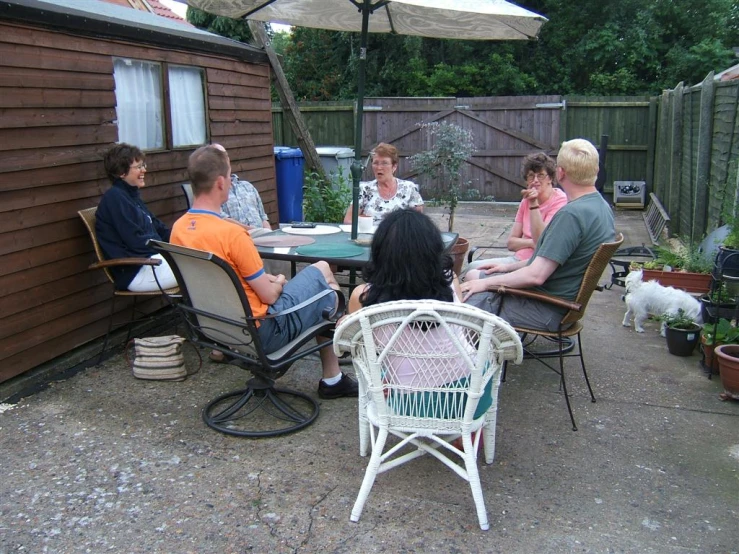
(333, 157)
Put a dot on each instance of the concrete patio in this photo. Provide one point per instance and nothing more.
(102, 462)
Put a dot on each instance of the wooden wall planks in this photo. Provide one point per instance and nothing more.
(57, 118)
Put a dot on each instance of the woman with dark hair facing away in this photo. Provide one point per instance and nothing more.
(407, 262)
(123, 223)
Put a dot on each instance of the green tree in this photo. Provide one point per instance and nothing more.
(236, 29)
(607, 47)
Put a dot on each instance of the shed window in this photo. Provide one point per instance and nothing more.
(159, 109)
(138, 91)
(187, 105)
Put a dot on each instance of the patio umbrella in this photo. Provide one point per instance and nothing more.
(456, 19)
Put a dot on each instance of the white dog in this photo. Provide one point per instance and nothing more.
(651, 298)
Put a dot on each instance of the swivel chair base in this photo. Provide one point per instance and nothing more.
(260, 410)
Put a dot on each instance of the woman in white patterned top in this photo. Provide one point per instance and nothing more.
(386, 193)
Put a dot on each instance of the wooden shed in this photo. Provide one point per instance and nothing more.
(72, 74)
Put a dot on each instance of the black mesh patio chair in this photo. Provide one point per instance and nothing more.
(218, 316)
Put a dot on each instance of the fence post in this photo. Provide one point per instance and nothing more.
(676, 151)
(703, 162)
(661, 188)
(651, 144)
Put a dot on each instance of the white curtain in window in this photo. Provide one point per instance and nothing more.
(187, 105)
(138, 92)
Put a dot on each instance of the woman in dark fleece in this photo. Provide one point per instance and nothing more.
(123, 223)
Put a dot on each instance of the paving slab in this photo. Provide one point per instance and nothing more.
(102, 462)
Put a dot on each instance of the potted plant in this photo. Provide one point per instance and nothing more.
(443, 162)
(682, 333)
(684, 268)
(728, 363)
(326, 201)
(720, 303)
(727, 257)
(713, 335)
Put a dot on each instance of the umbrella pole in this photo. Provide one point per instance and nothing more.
(356, 168)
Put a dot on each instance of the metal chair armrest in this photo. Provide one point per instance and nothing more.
(483, 247)
(341, 305)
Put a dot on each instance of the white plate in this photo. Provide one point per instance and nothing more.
(317, 230)
(348, 229)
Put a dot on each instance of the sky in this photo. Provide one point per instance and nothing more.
(181, 9)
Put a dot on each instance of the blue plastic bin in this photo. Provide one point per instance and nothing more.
(289, 165)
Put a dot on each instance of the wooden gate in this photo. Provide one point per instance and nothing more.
(505, 129)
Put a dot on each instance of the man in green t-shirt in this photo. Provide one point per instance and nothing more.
(562, 253)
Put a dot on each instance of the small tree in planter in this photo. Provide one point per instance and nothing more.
(452, 146)
(682, 333)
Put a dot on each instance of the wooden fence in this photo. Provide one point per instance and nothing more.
(330, 124)
(696, 155)
(626, 120)
(505, 129)
(684, 144)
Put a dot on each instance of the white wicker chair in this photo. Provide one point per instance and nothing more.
(428, 373)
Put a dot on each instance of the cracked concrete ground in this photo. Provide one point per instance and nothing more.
(102, 462)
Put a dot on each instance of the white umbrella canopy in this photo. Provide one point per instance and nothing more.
(455, 19)
(452, 19)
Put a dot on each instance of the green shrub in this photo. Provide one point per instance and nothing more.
(326, 201)
(722, 293)
(722, 332)
(680, 320)
(686, 258)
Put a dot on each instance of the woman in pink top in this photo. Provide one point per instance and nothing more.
(541, 200)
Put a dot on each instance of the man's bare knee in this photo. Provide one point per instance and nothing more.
(328, 275)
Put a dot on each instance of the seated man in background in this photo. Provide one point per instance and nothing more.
(540, 201)
(204, 228)
(244, 205)
(563, 252)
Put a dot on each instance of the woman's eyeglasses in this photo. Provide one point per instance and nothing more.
(140, 166)
(531, 177)
(381, 164)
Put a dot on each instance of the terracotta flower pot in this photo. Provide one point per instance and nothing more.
(728, 363)
(689, 282)
(458, 252)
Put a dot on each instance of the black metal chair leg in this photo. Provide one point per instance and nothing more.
(584, 371)
(564, 386)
